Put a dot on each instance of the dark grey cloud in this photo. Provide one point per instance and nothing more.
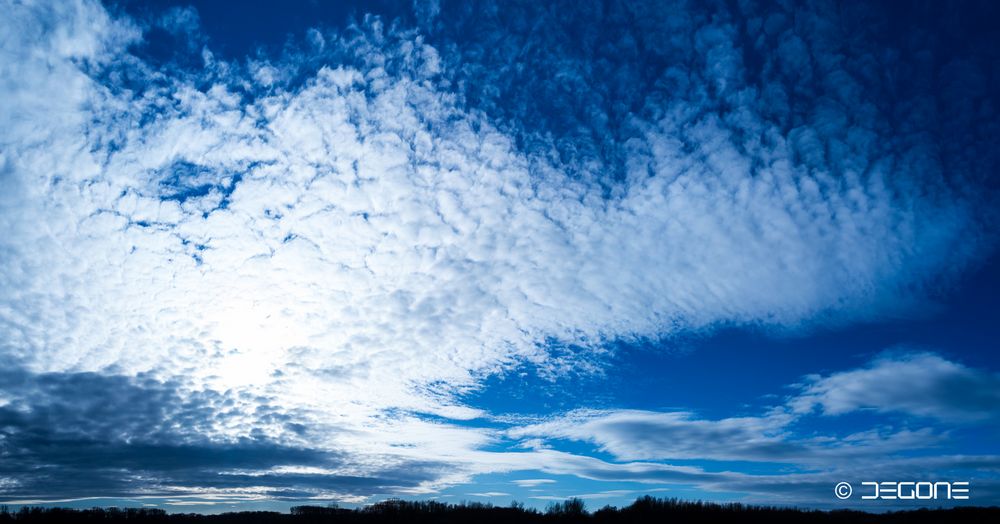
(86, 434)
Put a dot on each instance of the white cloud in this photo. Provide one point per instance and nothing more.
(632, 435)
(365, 247)
(921, 384)
(915, 384)
(490, 494)
(531, 483)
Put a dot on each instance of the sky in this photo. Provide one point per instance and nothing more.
(261, 255)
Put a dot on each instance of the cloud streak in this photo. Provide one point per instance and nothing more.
(920, 384)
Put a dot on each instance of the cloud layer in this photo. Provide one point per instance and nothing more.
(330, 244)
(920, 384)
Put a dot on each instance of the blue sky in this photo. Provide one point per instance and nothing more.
(259, 257)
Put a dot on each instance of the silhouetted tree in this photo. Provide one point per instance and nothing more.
(572, 511)
(572, 507)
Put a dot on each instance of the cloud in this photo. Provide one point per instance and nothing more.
(920, 384)
(812, 486)
(317, 250)
(631, 435)
(532, 483)
(74, 434)
(644, 435)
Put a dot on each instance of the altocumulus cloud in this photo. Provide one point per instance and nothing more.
(311, 251)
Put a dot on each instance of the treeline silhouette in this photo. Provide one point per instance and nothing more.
(573, 511)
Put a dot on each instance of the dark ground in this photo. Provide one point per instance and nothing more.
(645, 509)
